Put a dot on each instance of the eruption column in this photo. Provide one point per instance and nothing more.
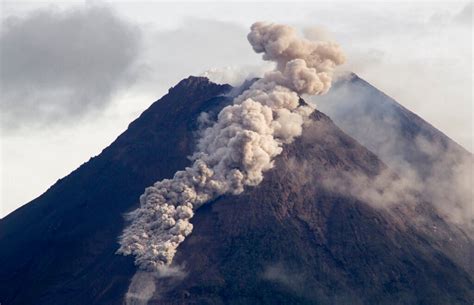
(239, 147)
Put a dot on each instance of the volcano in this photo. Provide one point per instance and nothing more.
(303, 236)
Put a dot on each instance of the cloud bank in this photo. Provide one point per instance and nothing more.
(59, 65)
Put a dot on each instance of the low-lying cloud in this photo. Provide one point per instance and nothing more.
(427, 163)
(291, 279)
(464, 17)
(234, 75)
(59, 65)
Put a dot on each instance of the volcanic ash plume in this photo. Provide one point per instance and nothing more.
(239, 147)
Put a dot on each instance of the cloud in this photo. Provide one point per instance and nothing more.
(234, 75)
(426, 162)
(59, 65)
(285, 276)
(464, 17)
(195, 46)
(301, 282)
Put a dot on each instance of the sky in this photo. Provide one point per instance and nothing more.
(74, 74)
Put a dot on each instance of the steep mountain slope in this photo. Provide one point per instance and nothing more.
(405, 142)
(384, 126)
(60, 248)
(295, 239)
(431, 162)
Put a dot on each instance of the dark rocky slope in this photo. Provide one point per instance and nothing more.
(292, 240)
(60, 248)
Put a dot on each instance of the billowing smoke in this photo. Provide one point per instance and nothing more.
(239, 147)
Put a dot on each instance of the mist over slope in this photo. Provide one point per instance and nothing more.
(429, 162)
(297, 238)
(432, 163)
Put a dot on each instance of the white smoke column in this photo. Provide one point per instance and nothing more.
(239, 147)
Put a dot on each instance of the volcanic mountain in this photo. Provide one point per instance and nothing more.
(310, 233)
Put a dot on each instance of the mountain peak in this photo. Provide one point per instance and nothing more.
(192, 83)
(294, 239)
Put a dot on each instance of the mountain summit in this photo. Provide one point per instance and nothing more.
(327, 225)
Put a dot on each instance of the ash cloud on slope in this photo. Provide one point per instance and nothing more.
(239, 147)
(427, 162)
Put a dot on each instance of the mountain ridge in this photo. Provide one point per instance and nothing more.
(61, 248)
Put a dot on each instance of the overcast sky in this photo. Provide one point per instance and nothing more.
(74, 74)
